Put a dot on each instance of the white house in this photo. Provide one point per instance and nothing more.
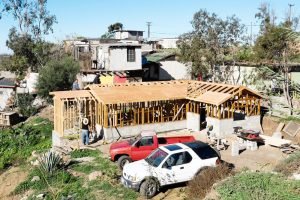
(168, 43)
(28, 84)
(120, 56)
(129, 35)
(7, 88)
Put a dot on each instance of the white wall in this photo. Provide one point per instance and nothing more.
(193, 121)
(5, 94)
(224, 127)
(111, 133)
(118, 59)
(168, 43)
(173, 70)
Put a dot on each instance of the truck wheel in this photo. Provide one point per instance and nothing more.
(123, 160)
(148, 188)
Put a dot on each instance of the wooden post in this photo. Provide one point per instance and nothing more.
(105, 116)
(219, 111)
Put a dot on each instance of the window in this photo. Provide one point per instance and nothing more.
(146, 141)
(178, 159)
(156, 157)
(205, 152)
(130, 54)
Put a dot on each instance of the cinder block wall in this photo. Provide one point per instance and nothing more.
(193, 121)
(126, 131)
(224, 127)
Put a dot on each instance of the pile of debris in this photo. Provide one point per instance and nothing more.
(292, 129)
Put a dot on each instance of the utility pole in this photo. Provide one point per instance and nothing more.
(149, 24)
(290, 11)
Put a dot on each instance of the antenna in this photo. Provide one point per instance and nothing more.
(149, 24)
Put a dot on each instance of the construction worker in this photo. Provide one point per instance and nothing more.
(85, 131)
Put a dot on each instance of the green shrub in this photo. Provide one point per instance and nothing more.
(258, 185)
(17, 144)
(25, 105)
(50, 162)
(50, 76)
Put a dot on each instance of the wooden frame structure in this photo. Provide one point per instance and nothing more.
(221, 100)
(69, 109)
(140, 103)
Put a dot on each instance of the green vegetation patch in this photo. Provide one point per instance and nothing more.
(112, 190)
(99, 164)
(289, 165)
(58, 185)
(85, 153)
(16, 144)
(290, 118)
(258, 185)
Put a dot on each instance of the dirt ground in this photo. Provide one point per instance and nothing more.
(263, 159)
(9, 180)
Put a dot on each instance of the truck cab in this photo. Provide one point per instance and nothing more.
(141, 146)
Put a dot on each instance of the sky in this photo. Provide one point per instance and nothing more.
(170, 18)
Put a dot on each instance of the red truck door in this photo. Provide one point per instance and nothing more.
(143, 148)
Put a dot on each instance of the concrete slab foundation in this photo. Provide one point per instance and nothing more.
(224, 127)
(56, 139)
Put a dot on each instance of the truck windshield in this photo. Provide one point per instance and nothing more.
(134, 139)
(156, 157)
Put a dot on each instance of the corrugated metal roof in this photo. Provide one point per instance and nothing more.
(156, 57)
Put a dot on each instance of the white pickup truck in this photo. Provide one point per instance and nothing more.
(168, 165)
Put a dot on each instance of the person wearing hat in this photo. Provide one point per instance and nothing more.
(85, 131)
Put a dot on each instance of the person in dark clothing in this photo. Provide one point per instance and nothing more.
(97, 79)
(85, 131)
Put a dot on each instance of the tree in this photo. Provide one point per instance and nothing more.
(210, 44)
(26, 40)
(57, 75)
(115, 27)
(110, 29)
(31, 15)
(275, 46)
(28, 53)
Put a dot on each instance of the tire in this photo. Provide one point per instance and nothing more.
(123, 160)
(148, 188)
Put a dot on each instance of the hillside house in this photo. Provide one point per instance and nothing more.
(129, 35)
(119, 57)
(7, 90)
(163, 66)
(126, 109)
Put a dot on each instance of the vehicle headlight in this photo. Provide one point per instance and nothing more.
(132, 178)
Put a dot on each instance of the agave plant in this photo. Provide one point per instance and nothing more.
(50, 162)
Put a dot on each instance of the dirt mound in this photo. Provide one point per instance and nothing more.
(47, 113)
(9, 180)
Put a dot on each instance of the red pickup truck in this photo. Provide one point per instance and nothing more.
(141, 146)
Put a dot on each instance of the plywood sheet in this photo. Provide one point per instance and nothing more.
(292, 129)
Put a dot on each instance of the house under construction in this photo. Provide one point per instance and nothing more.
(126, 109)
